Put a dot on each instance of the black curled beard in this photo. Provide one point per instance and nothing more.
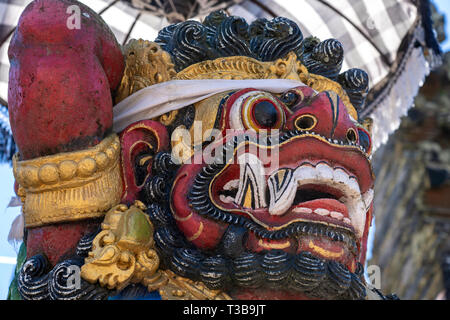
(230, 266)
(37, 280)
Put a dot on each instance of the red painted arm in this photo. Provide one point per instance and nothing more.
(60, 85)
(61, 79)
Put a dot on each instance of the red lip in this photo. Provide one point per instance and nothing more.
(271, 222)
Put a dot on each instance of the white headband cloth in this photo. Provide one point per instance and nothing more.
(164, 97)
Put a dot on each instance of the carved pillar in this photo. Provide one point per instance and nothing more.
(60, 85)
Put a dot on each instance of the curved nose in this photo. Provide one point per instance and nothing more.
(324, 114)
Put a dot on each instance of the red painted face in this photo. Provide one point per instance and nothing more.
(300, 181)
(280, 200)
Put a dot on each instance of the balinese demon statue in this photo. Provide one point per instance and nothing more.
(224, 160)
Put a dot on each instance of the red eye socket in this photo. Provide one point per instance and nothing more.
(262, 111)
(364, 140)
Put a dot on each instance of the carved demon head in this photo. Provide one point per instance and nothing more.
(260, 191)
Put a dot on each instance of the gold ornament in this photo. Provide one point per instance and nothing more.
(167, 118)
(124, 253)
(179, 288)
(70, 186)
(146, 64)
(183, 144)
(241, 67)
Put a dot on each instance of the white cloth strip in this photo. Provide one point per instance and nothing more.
(8, 260)
(164, 97)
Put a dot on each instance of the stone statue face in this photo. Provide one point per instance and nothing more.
(276, 200)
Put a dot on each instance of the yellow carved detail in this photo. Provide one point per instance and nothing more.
(179, 288)
(368, 125)
(70, 186)
(241, 67)
(325, 253)
(167, 118)
(124, 253)
(146, 64)
(269, 245)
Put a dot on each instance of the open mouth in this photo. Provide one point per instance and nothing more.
(317, 192)
(315, 199)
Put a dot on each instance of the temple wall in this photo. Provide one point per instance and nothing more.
(412, 196)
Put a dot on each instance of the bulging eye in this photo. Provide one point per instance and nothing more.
(262, 112)
(265, 114)
(251, 109)
(364, 140)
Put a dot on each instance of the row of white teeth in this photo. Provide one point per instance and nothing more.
(283, 184)
(324, 213)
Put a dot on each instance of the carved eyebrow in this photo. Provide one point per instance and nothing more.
(334, 105)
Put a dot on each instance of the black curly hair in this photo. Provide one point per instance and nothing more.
(221, 35)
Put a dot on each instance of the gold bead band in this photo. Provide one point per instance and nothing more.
(70, 185)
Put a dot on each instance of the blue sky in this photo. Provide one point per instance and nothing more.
(444, 7)
(7, 215)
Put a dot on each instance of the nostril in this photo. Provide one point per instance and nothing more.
(351, 135)
(305, 122)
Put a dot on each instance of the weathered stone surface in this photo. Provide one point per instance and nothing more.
(412, 210)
